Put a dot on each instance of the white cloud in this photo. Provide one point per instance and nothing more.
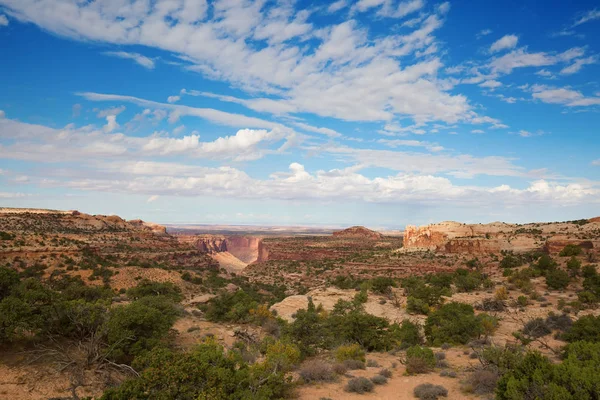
(138, 58)
(178, 130)
(596, 162)
(152, 198)
(490, 84)
(109, 111)
(524, 133)
(477, 131)
(2, 114)
(111, 123)
(336, 6)
(564, 96)
(506, 42)
(3, 20)
(173, 99)
(177, 111)
(434, 147)
(349, 73)
(545, 73)
(578, 64)
(40, 143)
(520, 58)
(588, 16)
(483, 33)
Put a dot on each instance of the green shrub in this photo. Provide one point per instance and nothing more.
(574, 266)
(522, 301)
(589, 271)
(452, 323)
(135, 328)
(557, 279)
(419, 360)
(407, 334)
(204, 373)
(468, 281)
(586, 328)
(570, 250)
(151, 288)
(545, 263)
(382, 285)
(9, 278)
(416, 306)
(350, 352)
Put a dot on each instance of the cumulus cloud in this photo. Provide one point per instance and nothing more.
(138, 58)
(506, 42)
(173, 99)
(3, 20)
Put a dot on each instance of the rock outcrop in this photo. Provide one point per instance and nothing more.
(359, 232)
(454, 237)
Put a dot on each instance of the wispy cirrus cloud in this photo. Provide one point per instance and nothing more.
(138, 58)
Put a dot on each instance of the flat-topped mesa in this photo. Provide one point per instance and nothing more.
(359, 232)
(455, 237)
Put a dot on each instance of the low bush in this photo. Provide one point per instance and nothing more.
(483, 381)
(419, 360)
(429, 391)
(536, 328)
(359, 385)
(353, 364)
(385, 372)
(372, 364)
(316, 371)
(379, 380)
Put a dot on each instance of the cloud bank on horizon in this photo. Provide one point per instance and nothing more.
(378, 112)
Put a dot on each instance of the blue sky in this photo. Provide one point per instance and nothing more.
(374, 112)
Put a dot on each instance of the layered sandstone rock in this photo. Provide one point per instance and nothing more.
(359, 232)
(454, 237)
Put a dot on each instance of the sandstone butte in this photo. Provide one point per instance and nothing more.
(455, 237)
(359, 232)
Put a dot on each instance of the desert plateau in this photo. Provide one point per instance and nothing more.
(96, 306)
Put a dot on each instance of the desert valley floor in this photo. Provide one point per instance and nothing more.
(523, 287)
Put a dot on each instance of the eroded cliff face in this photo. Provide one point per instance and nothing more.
(454, 237)
(244, 248)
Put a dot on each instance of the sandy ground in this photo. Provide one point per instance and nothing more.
(399, 386)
